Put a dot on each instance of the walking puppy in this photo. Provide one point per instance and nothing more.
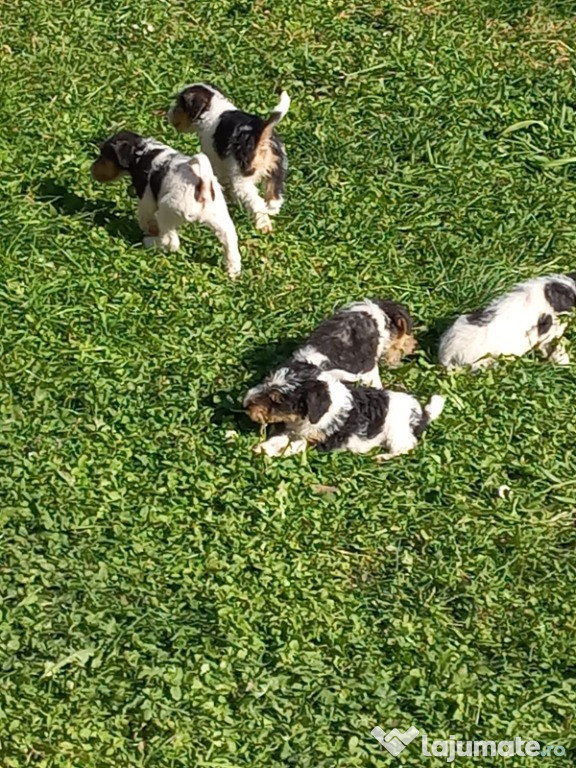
(348, 344)
(335, 416)
(243, 148)
(524, 318)
(172, 189)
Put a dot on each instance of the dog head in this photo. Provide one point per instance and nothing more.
(191, 106)
(271, 403)
(115, 156)
(402, 342)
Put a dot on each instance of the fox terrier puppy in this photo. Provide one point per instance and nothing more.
(172, 189)
(349, 344)
(243, 148)
(336, 416)
(522, 319)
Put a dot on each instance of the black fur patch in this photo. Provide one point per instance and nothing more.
(348, 339)
(561, 297)
(237, 134)
(365, 420)
(316, 400)
(481, 317)
(157, 176)
(544, 324)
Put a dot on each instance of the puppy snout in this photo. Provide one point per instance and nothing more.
(257, 413)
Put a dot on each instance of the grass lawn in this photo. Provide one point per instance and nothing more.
(170, 600)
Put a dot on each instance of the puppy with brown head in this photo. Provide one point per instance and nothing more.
(172, 189)
(243, 148)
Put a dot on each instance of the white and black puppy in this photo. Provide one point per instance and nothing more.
(243, 148)
(172, 189)
(524, 318)
(335, 416)
(349, 344)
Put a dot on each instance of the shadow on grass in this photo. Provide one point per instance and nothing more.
(226, 404)
(103, 214)
(429, 340)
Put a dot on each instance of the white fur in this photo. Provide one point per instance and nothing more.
(512, 330)
(177, 205)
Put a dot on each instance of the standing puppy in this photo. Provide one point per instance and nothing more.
(243, 148)
(172, 189)
(513, 324)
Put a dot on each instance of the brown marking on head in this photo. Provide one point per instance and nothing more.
(399, 347)
(273, 406)
(115, 156)
(104, 169)
(191, 104)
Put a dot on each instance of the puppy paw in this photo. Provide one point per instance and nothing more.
(382, 457)
(233, 271)
(273, 447)
(560, 357)
(263, 223)
(274, 207)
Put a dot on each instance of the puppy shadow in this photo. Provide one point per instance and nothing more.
(101, 213)
(429, 340)
(226, 404)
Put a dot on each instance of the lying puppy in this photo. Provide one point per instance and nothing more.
(335, 416)
(513, 324)
(349, 344)
(243, 148)
(172, 189)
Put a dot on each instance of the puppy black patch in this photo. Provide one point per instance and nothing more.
(365, 420)
(348, 339)
(544, 324)
(237, 134)
(317, 400)
(561, 297)
(481, 317)
(157, 176)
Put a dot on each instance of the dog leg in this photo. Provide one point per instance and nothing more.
(403, 442)
(146, 213)
(225, 231)
(274, 446)
(168, 224)
(274, 189)
(246, 193)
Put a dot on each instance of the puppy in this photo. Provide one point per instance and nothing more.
(172, 189)
(524, 318)
(349, 344)
(243, 148)
(335, 416)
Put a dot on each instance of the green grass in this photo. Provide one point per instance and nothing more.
(168, 599)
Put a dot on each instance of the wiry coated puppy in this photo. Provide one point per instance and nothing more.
(243, 148)
(349, 344)
(172, 189)
(524, 318)
(335, 416)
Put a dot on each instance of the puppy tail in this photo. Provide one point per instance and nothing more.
(434, 407)
(204, 191)
(276, 115)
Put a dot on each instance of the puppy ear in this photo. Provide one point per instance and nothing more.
(122, 150)
(276, 396)
(317, 400)
(401, 319)
(560, 296)
(195, 101)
